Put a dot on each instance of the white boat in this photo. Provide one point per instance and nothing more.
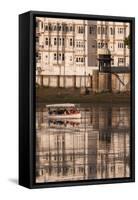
(63, 111)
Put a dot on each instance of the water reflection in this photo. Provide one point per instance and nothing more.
(93, 147)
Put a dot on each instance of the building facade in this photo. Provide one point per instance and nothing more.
(70, 47)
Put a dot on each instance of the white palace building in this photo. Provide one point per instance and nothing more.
(67, 47)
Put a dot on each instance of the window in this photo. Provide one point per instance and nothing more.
(59, 56)
(59, 28)
(71, 29)
(71, 42)
(80, 59)
(92, 30)
(101, 45)
(79, 44)
(112, 31)
(120, 45)
(106, 45)
(55, 41)
(55, 56)
(101, 30)
(120, 30)
(65, 28)
(46, 27)
(120, 60)
(80, 29)
(50, 27)
(46, 41)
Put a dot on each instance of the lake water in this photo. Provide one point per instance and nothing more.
(97, 146)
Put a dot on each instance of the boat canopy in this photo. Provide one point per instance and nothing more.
(60, 105)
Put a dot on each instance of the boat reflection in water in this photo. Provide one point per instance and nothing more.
(97, 146)
(67, 123)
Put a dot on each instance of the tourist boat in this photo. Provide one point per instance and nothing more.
(63, 111)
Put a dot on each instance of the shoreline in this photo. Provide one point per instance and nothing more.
(69, 95)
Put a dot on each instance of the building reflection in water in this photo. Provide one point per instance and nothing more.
(94, 147)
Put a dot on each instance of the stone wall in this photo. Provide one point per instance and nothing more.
(98, 82)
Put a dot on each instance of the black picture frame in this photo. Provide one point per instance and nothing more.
(27, 104)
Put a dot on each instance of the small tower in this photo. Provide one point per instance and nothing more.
(104, 58)
(105, 73)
